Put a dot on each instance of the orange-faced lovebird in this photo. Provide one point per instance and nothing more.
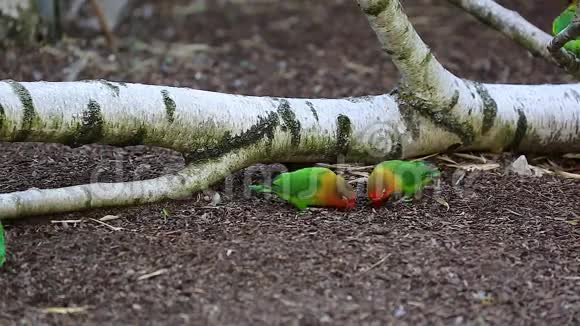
(397, 177)
(313, 186)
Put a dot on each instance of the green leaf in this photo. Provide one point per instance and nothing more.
(165, 213)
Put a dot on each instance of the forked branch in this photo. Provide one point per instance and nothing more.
(527, 35)
(420, 71)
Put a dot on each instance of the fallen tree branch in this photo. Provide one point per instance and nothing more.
(432, 111)
(431, 91)
(192, 178)
(518, 29)
(221, 133)
(199, 124)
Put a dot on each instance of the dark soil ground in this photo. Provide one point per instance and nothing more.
(506, 252)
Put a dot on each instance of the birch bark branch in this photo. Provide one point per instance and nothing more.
(517, 28)
(419, 69)
(433, 111)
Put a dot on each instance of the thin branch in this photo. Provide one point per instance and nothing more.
(510, 23)
(517, 28)
(420, 71)
(193, 178)
(566, 60)
(111, 42)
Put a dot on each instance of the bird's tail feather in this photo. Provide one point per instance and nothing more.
(434, 173)
(431, 173)
(261, 188)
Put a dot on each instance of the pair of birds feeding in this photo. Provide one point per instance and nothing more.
(317, 186)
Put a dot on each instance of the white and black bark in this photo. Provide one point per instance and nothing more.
(530, 37)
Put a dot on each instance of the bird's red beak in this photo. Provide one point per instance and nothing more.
(350, 203)
(375, 199)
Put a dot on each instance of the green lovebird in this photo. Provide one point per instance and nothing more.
(399, 177)
(313, 186)
(2, 246)
(562, 21)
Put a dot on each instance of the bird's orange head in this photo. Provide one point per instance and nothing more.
(381, 185)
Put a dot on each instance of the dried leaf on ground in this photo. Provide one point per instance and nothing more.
(568, 175)
(475, 167)
(64, 310)
(572, 155)
(109, 218)
(446, 158)
(481, 159)
(442, 201)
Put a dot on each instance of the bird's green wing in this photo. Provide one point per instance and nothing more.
(563, 20)
(2, 246)
(392, 164)
(260, 188)
(397, 167)
(302, 183)
(300, 186)
(414, 175)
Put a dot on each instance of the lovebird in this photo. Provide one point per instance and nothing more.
(562, 21)
(2, 246)
(312, 186)
(397, 177)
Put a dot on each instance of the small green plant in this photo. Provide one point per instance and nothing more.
(165, 214)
